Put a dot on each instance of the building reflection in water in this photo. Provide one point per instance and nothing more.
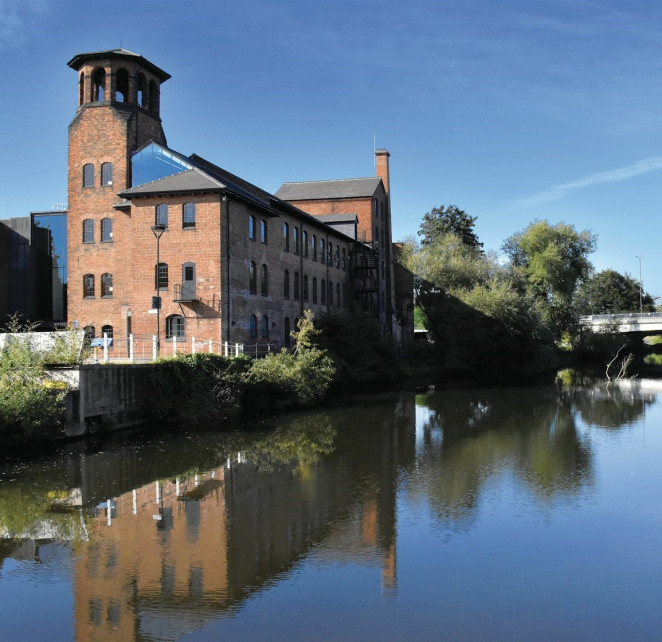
(163, 559)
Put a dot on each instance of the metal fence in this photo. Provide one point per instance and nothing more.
(137, 348)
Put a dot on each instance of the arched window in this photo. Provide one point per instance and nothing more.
(90, 332)
(330, 294)
(296, 286)
(304, 242)
(107, 285)
(323, 292)
(88, 231)
(344, 259)
(322, 254)
(337, 257)
(253, 326)
(314, 247)
(175, 327)
(161, 215)
(106, 173)
(106, 230)
(314, 289)
(161, 276)
(329, 258)
(305, 287)
(98, 85)
(88, 175)
(286, 284)
(264, 327)
(264, 285)
(286, 237)
(287, 338)
(81, 89)
(107, 330)
(122, 86)
(88, 286)
(252, 278)
(295, 234)
(188, 215)
(141, 91)
(251, 227)
(263, 231)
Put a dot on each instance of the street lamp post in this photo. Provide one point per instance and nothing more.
(641, 303)
(156, 302)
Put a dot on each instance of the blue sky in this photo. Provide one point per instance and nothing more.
(514, 110)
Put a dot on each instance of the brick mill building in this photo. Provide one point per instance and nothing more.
(235, 263)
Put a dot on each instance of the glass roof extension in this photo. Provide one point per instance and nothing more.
(154, 162)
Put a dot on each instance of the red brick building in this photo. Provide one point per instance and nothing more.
(236, 263)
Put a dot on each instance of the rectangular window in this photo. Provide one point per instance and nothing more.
(161, 217)
(251, 227)
(162, 276)
(263, 231)
(188, 216)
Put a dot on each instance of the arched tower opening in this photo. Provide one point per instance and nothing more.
(122, 86)
(98, 85)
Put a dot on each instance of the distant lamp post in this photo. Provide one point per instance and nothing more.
(156, 301)
(641, 287)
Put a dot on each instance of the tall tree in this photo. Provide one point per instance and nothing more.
(551, 260)
(443, 220)
(610, 292)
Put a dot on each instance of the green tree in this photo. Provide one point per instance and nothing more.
(440, 221)
(610, 292)
(550, 261)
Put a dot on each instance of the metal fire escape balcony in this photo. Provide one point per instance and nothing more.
(185, 293)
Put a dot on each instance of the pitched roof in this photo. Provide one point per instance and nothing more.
(337, 218)
(191, 180)
(317, 190)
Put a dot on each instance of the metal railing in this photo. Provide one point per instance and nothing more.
(137, 348)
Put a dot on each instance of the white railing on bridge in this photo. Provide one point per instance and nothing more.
(624, 322)
(588, 319)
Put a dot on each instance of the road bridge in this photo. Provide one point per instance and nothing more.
(646, 322)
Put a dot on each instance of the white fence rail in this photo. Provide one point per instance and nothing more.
(136, 348)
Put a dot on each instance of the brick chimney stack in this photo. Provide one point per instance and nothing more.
(381, 157)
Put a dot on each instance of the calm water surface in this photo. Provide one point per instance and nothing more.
(514, 514)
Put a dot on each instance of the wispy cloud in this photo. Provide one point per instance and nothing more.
(17, 19)
(600, 178)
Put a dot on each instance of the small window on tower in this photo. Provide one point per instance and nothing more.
(106, 173)
(88, 175)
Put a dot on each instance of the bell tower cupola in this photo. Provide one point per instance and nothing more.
(118, 113)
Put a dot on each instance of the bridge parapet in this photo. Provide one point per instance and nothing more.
(626, 322)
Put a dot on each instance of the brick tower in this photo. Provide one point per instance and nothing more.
(118, 113)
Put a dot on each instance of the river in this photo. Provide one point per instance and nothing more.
(491, 514)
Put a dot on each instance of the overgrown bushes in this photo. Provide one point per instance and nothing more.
(27, 406)
(208, 388)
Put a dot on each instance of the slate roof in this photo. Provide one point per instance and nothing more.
(190, 180)
(207, 177)
(336, 218)
(125, 54)
(318, 190)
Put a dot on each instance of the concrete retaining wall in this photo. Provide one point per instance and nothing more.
(105, 395)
